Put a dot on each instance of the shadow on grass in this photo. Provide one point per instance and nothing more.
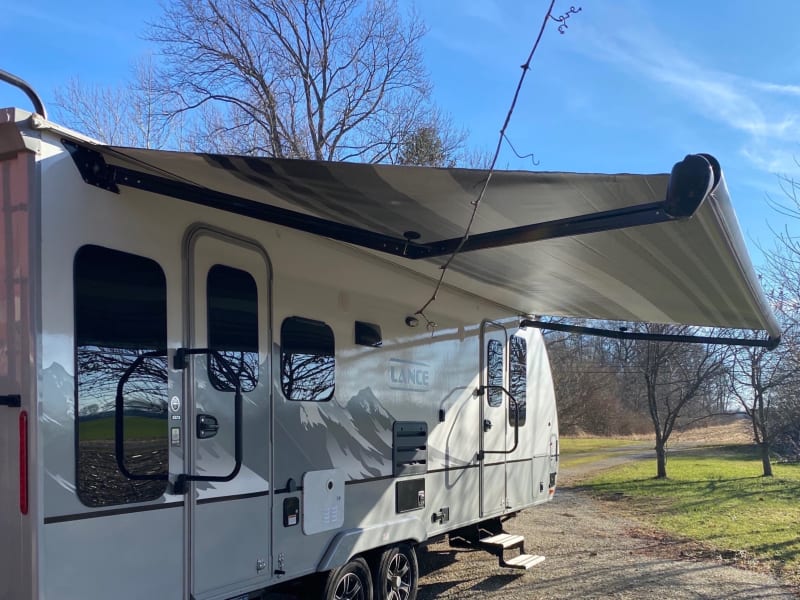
(763, 506)
(689, 493)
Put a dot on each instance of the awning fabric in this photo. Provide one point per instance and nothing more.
(693, 270)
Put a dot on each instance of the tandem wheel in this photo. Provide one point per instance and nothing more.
(351, 581)
(397, 573)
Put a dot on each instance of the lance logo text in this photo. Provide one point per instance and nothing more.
(408, 375)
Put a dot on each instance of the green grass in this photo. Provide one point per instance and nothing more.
(582, 451)
(574, 445)
(136, 428)
(575, 460)
(718, 497)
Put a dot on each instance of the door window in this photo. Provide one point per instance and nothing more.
(494, 373)
(232, 299)
(518, 385)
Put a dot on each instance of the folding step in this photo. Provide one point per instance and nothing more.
(523, 561)
(504, 541)
(498, 544)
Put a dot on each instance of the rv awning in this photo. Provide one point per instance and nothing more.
(617, 247)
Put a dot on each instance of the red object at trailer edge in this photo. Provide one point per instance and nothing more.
(23, 462)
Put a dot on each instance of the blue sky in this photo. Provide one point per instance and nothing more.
(633, 85)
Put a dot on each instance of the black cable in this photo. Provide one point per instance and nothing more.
(525, 68)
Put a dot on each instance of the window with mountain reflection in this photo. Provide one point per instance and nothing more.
(120, 336)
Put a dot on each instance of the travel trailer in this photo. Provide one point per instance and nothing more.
(222, 373)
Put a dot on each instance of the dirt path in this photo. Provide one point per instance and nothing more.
(592, 551)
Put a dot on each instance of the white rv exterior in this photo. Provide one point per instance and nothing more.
(90, 283)
(199, 403)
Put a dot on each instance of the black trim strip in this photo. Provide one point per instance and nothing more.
(371, 479)
(508, 462)
(770, 343)
(402, 478)
(431, 471)
(459, 468)
(134, 509)
(286, 490)
(234, 497)
(110, 513)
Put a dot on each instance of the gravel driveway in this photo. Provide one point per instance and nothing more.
(592, 551)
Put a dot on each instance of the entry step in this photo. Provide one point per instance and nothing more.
(523, 561)
(504, 540)
(498, 544)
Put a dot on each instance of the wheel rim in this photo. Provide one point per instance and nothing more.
(349, 587)
(398, 578)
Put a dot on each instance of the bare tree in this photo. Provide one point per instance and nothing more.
(587, 381)
(672, 376)
(132, 114)
(321, 79)
(782, 279)
(756, 375)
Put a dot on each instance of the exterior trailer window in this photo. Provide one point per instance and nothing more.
(232, 297)
(519, 378)
(120, 314)
(307, 360)
(494, 375)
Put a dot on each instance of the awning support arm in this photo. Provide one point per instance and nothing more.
(691, 181)
(770, 343)
(632, 216)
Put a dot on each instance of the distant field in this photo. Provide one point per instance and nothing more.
(716, 496)
(574, 445)
(142, 428)
(576, 452)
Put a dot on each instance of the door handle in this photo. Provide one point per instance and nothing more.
(207, 426)
(487, 425)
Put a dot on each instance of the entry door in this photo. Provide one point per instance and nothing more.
(493, 418)
(228, 345)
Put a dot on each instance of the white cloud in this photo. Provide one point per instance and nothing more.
(764, 112)
(483, 10)
(779, 88)
(773, 160)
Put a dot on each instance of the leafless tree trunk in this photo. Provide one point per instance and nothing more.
(782, 279)
(673, 376)
(756, 375)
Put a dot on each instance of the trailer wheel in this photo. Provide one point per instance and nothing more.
(349, 582)
(398, 574)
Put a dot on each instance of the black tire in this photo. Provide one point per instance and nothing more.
(352, 581)
(397, 577)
